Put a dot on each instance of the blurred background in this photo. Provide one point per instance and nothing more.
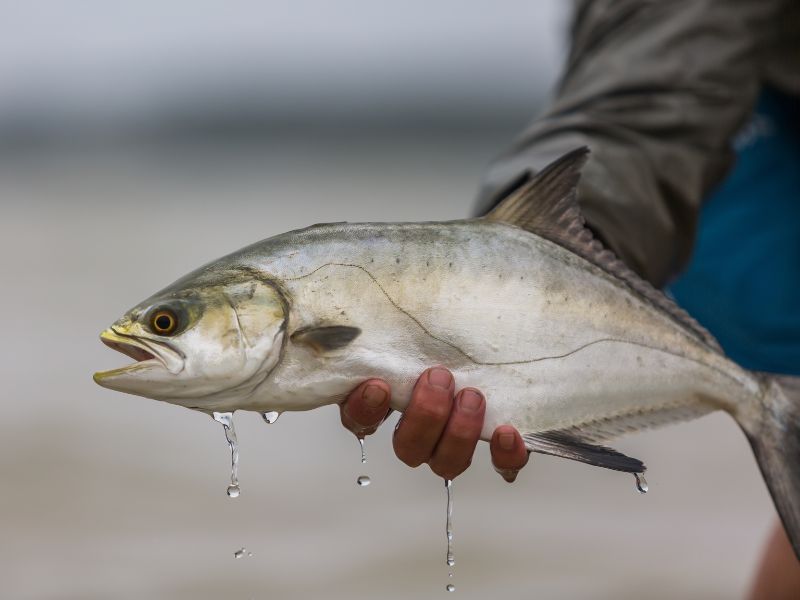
(139, 140)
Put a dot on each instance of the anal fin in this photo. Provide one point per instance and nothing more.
(559, 443)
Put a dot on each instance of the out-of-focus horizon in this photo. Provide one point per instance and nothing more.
(140, 140)
(98, 71)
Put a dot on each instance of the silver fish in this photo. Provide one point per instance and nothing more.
(567, 343)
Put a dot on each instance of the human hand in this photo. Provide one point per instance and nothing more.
(439, 427)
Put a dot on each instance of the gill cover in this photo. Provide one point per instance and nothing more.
(229, 337)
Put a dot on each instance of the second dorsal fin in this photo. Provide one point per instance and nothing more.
(547, 205)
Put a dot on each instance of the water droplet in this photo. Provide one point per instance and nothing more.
(226, 420)
(641, 483)
(241, 552)
(363, 481)
(363, 450)
(450, 587)
(448, 484)
(271, 417)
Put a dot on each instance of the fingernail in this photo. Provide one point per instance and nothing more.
(373, 396)
(470, 401)
(506, 441)
(439, 377)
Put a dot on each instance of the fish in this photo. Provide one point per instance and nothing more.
(567, 343)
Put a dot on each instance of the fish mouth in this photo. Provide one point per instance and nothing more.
(137, 353)
(148, 354)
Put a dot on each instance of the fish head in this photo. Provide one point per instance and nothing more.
(200, 342)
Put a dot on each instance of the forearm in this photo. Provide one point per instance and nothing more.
(657, 91)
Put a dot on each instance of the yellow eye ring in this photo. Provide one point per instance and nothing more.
(163, 322)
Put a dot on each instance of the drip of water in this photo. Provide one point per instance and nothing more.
(363, 450)
(363, 480)
(451, 560)
(271, 417)
(242, 552)
(641, 483)
(448, 484)
(226, 420)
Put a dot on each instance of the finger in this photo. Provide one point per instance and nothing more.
(425, 418)
(508, 450)
(453, 453)
(366, 407)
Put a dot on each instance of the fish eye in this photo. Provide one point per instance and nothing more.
(163, 322)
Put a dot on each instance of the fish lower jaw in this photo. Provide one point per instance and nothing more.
(101, 377)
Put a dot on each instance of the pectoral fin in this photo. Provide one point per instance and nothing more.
(559, 443)
(326, 338)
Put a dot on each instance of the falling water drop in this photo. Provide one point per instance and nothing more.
(363, 450)
(448, 484)
(226, 420)
(363, 480)
(271, 417)
(641, 483)
(242, 552)
(450, 587)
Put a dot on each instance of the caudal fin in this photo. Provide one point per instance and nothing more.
(774, 434)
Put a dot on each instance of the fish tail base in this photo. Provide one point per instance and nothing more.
(775, 438)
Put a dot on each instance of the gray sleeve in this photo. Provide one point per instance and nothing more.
(656, 89)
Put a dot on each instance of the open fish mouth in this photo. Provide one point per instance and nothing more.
(148, 354)
(137, 353)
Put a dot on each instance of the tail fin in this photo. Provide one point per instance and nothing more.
(774, 435)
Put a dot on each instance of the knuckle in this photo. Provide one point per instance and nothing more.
(436, 412)
(463, 433)
(450, 466)
(407, 456)
(443, 471)
(449, 471)
(412, 462)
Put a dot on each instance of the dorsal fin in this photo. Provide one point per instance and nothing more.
(547, 205)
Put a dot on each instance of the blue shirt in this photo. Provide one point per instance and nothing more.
(743, 281)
